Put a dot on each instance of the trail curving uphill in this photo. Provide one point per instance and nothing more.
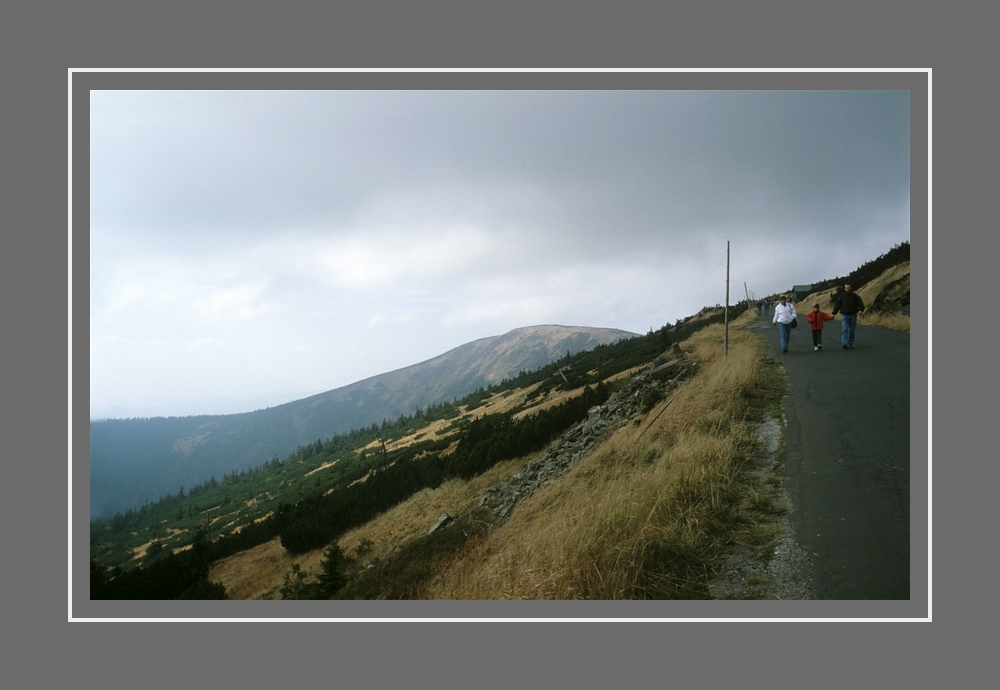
(847, 458)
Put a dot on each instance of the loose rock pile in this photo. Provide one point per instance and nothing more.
(665, 373)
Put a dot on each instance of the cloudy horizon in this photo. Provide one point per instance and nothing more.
(252, 245)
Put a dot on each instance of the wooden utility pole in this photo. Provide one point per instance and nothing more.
(382, 463)
(725, 345)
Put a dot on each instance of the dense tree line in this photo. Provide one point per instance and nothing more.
(868, 271)
(318, 520)
(497, 437)
(871, 270)
(178, 576)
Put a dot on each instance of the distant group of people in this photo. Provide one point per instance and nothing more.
(848, 303)
(765, 304)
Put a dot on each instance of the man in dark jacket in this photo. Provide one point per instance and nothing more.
(849, 304)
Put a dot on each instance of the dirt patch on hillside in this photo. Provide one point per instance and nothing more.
(324, 466)
(503, 402)
(187, 445)
(556, 398)
(140, 551)
(358, 481)
(438, 429)
(495, 404)
(431, 432)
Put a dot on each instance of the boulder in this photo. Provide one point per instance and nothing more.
(664, 370)
(442, 521)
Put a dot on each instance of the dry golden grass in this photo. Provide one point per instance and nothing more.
(647, 515)
(500, 402)
(868, 293)
(495, 403)
(895, 322)
(432, 431)
(557, 397)
(415, 515)
(324, 466)
(140, 551)
(258, 573)
(641, 517)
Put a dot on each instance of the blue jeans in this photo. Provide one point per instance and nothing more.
(786, 330)
(847, 325)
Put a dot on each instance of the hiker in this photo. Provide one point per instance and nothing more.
(816, 319)
(767, 306)
(784, 317)
(760, 303)
(849, 304)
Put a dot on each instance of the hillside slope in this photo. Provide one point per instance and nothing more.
(665, 485)
(883, 284)
(537, 526)
(135, 460)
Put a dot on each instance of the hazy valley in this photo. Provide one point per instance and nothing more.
(137, 460)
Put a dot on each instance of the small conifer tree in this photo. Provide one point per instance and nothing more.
(332, 577)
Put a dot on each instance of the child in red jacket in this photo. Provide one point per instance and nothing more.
(817, 318)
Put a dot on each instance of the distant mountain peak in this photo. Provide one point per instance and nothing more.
(185, 451)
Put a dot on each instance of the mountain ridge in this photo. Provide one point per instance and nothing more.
(133, 460)
(465, 368)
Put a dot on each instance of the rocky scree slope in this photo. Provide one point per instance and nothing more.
(664, 374)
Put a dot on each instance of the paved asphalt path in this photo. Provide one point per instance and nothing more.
(847, 457)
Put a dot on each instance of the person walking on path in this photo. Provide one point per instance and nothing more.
(767, 306)
(816, 319)
(760, 303)
(849, 304)
(784, 316)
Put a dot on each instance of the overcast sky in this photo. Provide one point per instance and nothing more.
(251, 248)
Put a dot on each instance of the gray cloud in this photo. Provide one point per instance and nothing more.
(315, 238)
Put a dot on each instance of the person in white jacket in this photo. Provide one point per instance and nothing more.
(784, 314)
